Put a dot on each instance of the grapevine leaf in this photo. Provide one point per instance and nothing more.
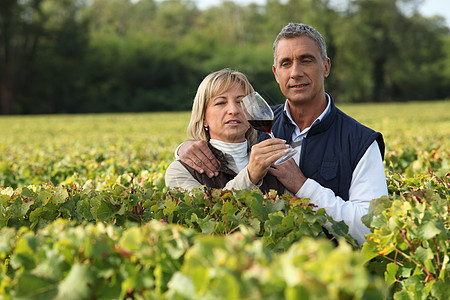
(182, 285)
(131, 239)
(441, 290)
(207, 226)
(106, 210)
(19, 208)
(379, 221)
(3, 218)
(377, 206)
(339, 228)
(255, 224)
(61, 197)
(31, 286)
(35, 215)
(428, 230)
(76, 284)
(403, 295)
(424, 254)
(391, 273)
(255, 202)
(83, 210)
(26, 192)
(44, 197)
(229, 209)
(24, 260)
(7, 238)
(4, 200)
(276, 206)
(369, 250)
(405, 272)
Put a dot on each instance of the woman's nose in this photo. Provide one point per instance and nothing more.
(234, 108)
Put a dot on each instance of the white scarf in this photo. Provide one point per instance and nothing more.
(237, 150)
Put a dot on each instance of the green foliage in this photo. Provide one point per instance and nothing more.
(139, 200)
(163, 261)
(411, 235)
(238, 268)
(102, 262)
(83, 203)
(74, 149)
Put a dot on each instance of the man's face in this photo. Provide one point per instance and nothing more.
(300, 70)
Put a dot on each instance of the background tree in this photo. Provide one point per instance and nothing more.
(75, 56)
(386, 55)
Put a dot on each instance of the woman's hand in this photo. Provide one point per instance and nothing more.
(263, 155)
(289, 174)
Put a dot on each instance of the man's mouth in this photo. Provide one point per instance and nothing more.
(297, 86)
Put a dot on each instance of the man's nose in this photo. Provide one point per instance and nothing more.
(297, 70)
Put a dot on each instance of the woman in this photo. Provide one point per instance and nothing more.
(217, 118)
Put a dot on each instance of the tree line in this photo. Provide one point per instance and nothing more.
(80, 56)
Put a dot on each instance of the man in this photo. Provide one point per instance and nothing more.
(341, 161)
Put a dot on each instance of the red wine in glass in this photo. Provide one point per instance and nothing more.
(260, 116)
(262, 125)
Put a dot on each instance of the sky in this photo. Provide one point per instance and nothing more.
(428, 8)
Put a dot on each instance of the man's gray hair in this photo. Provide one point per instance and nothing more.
(294, 30)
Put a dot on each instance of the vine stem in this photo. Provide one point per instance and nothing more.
(429, 275)
(403, 233)
(437, 253)
(232, 230)
(396, 262)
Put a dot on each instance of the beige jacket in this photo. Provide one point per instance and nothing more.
(178, 176)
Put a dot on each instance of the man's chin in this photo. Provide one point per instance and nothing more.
(298, 99)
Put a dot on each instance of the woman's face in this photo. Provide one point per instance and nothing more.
(225, 118)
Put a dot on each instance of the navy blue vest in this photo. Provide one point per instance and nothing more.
(332, 148)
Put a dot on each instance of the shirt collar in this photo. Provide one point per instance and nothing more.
(297, 134)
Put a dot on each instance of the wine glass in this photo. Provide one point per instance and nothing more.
(260, 116)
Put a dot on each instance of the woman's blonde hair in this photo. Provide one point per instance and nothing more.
(212, 85)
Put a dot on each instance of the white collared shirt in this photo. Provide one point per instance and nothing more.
(368, 182)
(297, 135)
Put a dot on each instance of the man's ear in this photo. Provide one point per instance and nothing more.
(327, 67)
(274, 70)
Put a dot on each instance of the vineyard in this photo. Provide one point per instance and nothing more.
(84, 214)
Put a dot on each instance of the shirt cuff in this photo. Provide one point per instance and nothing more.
(309, 189)
(247, 178)
(176, 152)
